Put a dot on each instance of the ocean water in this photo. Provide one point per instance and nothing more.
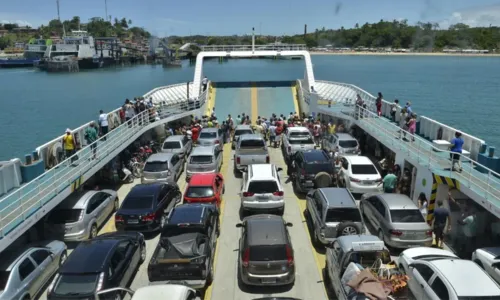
(462, 92)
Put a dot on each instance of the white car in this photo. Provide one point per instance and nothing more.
(296, 139)
(261, 189)
(489, 260)
(409, 256)
(359, 175)
(153, 292)
(451, 279)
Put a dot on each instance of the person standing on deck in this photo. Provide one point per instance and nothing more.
(378, 103)
(456, 149)
(422, 205)
(440, 217)
(91, 136)
(204, 82)
(69, 144)
(394, 109)
(408, 108)
(412, 126)
(402, 122)
(103, 124)
(389, 182)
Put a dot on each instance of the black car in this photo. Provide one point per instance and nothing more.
(107, 261)
(311, 169)
(185, 252)
(147, 206)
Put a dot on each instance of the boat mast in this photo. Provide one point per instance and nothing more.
(106, 10)
(59, 18)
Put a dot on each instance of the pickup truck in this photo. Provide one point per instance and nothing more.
(296, 139)
(251, 149)
(186, 250)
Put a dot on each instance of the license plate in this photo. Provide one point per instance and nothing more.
(262, 197)
(367, 182)
(133, 221)
(269, 280)
(309, 184)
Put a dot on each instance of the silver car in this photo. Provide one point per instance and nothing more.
(238, 131)
(397, 219)
(162, 167)
(80, 216)
(24, 272)
(204, 160)
(210, 136)
(178, 144)
(343, 143)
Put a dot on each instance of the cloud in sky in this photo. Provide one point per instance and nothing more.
(21, 23)
(475, 17)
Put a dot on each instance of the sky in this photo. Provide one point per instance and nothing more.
(268, 17)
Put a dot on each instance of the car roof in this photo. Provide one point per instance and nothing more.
(315, 155)
(89, 256)
(493, 251)
(177, 137)
(297, 129)
(203, 150)
(252, 136)
(161, 157)
(427, 251)
(265, 230)
(358, 160)
(345, 136)
(202, 179)
(460, 272)
(209, 129)
(397, 201)
(243, 126)
(77, 200)
(262, 171)
(162, 291)
(338, 197)
(345, 241)
(192, 213)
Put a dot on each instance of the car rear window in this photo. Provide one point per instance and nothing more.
(242, 131)
(138, 202)
(199, 192)
(4, 278)
(262, 187)
(348, 143)
(406, 216)
(300, 134)
(343, 214)
(364, 169)
(301, 141)
(172, 145)
(268, 253)
(314, 168)
(76, 284)
(63, 216)
(156, 166)
(201, 159)
(208, 135)
(252, 144)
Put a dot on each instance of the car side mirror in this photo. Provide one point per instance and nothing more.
(288, 224)
(239, 225)
(279, 169)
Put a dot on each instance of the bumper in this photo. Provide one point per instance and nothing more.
(195, 284)
(263, 205)
(267, 280)
(76, 237)
(404, 244)
(190, 174)
(363, 189)
(140, 227)
(306, 185)
(150, 180)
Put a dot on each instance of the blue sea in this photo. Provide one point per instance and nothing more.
(462, 92)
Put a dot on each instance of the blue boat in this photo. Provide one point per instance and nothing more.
(18, 62)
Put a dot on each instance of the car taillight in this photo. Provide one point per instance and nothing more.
(148, 217)
(302, 173)
(118, 219)
(267, 159)
(238, 160)
(100, 283)
(354, 179)
(429, 232)
(396, 232)
(247, 194)
(246, 258)
(217, 141)
(278, 193)
(289, 255)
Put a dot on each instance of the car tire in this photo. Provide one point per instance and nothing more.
(63, 258)
(281, 211)
(93, 231)
(143, 253)
(322, 180)
(27, 297)
(116, 204)
(223, 189)
(347, 228)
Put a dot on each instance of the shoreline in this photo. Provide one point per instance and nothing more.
(365, 53)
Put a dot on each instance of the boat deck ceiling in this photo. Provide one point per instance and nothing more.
(172, 93)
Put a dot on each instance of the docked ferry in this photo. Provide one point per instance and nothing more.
(32, 189)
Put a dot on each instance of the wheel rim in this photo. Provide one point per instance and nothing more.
(93, 232)
(143, 252)
(349, 230)
(117, 204)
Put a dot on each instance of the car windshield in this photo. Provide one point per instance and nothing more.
(303, 141)
(252, 144)
(4, 278)
(268, 253)
(406, 216)
(262, 187)
(242, 131)
(76, 284)
(348, 143)
(172, 145)
(138, 202)
(296, 134)
(343, 214)
(366, 259)
(208, 135)
(199, 192)
(156, 166)
(364, 169)
(201, 159)
(63, 216)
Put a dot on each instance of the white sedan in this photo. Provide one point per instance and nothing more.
(489, 260)
(421, 253)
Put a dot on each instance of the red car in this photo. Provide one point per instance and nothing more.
(205, 188)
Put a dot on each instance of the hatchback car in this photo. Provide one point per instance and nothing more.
(109, 260)
(147, 206)
(341, 143)
(359, 175)
(205, 188)
(409, 256)
(266, 256)
(238, 131)
(210, 137)
(160, 291)
(24, 271)
(162, 167)
(489, 259)
(204, 160)
(178, 144)
(261, 189)
(80, 216)
(398, 221)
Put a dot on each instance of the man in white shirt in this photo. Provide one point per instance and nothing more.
(103, 124)
(204, 82)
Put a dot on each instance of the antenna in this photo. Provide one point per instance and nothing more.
(58, 14)
(106, 9)
(253, 40)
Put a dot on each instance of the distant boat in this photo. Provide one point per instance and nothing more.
(17, 62)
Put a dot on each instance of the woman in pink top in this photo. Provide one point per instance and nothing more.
(412, 126)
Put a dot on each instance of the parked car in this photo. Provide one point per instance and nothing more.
(266, 256)
(25, 271)
(341, 143)
(205, 188)
(311, 169)
(488, 259)
(107, 261)
(450, 278)
(240, 130)
(178, 144)
(210, 137)
(409, 256)
(162, 167)
(397, 219)
(80, 216)
(332, 212)
(261, 189)
(160, 291)
(204, 160)
(250, 149)
(359, 175)
(146, 207)
(296, 139)
(186, 250)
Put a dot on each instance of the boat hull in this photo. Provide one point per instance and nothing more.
(17, 63)
(91, 63)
